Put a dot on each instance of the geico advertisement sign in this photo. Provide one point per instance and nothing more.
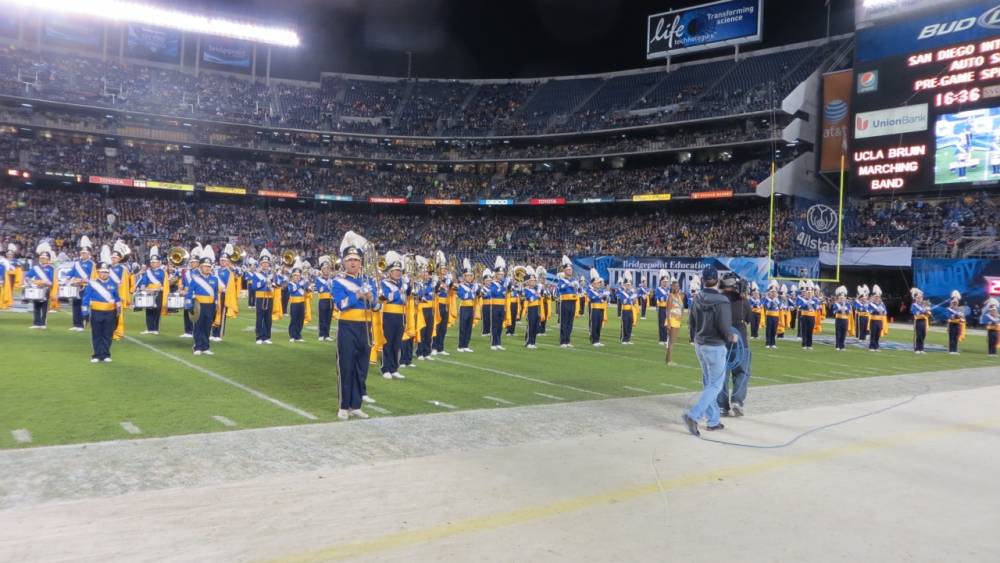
(906, 119)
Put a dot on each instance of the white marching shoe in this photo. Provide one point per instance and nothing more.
(397, 375)
(386, 375)
(367, 399)
(358, 413)
(342, 414)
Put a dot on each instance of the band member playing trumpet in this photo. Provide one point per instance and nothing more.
(202, 302)
(392, 295)
(187, 278)
(354, 298)
(878, 323)
(468, 290)
(42, 275)
(567, 288)
(323, 287)
(425, 308)
(532, 303)
(956, 322)
(497, 298)
(296, 290)
(598, 297)
(443, 284)
(630, 309)
(101, 303)
(841, 318)
(921, 319)
(485, 306)
(262, 284)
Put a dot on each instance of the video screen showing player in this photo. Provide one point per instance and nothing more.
(968, 147)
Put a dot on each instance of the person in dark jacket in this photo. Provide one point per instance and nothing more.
(742, 315)
(712, 318)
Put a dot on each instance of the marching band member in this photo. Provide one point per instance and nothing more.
(956, 323)
(545, 302)
(411, 320)
(878, 324)
(642, 293)
(532, 302)
(228, 301)
(512, 306)
(786, 311)
(355, 300)
(772, 315)
(121, 275)
(485, 306)
(426, 309)
(662, 296)
(323, 287)
(187, 278)
(296, 290)
(101, 302)
(11, 276)
(80, 274)
(598, 297)
(694, 286)
(990, 319)
(262, 283)
(675, 314)
(42, 275)
(468, 290)
(497, 298)
(392, 296)
(201, 302)
(154, 280)
(808, 308)
(841, 318)
(921, 319)
(627, 297)
(862, 311)
(756, 311)
(443, 283)
(793, 310)
(566, 287)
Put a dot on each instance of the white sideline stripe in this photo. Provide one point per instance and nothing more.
(497, 400)
(547, 396)
(672, 386)
(519, 376)
(130, 428)
(647, 360)
(378, 409)
(799, 377)
(639, 389)
(21, 436)
(224, 421)
(762, 378)
(225, 380)
(442, 405)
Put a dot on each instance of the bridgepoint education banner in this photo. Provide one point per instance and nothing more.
(613, 268)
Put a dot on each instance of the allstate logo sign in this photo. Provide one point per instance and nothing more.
(835, 111)
(821, 218)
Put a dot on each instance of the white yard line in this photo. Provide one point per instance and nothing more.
(498, 400)
(519, 376)
(766, 379)
(672, 386)
(378, 409)
(21, 436)
(225, 380)
(637, 389)
(131, 428)
(224, 421)
(547, 396)
(442, 405)
(646, 360)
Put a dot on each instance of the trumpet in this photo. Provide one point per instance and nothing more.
(177, 256)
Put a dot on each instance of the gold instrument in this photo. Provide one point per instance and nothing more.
(519, 273)
(432, 267)
(453, 265)
(237, 255)
(177, 256)
(288, 257)
(479, 268)
(381, 264)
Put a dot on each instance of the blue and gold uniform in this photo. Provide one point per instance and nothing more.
(642, 294)
(756, 313)
(532, 302)
(498, 301)
(42, 275)
(81, 272)
(808, 308)
(841, 310)
(354, 298)
(296, 290)
(392, 294)
(201, 304)
(921, 319)
(230, 284)
(662, 297)
(598, 297)
(566, 290)
(425, 309)
(956, 322)
(485, 307)
(878, 323)
(323, 287)
(990, 319)
(772, 317)
(102, 303)
(444, 285)
(262, 283)
(468, 291)
(630, 309)
(154, 280)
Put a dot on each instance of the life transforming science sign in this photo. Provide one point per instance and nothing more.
(706, 26)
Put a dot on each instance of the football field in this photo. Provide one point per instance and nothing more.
(50, 394)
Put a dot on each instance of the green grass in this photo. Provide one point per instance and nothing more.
(48, 386)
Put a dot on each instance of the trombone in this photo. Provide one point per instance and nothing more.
(177, 256)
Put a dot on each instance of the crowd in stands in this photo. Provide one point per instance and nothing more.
(32, 214)
(416, 107)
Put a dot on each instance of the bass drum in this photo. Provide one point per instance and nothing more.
(35, 293)
(175, 301)
(69, 292)
(145, 300)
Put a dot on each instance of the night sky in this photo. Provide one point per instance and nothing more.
(491, 38)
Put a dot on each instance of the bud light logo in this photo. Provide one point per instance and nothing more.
(835, 111)
(868, 82)
(990, 18)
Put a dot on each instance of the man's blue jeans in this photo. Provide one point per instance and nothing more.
(713, 374)
(741, 378)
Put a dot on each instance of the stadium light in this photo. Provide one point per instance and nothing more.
(147, 14)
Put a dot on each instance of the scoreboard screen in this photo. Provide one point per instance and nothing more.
(926, 101)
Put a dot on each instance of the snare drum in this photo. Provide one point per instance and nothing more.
(36, 293)
(69, 292)
(145, 300)
(175, 301)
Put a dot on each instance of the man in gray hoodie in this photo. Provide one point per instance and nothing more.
(711, 317)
